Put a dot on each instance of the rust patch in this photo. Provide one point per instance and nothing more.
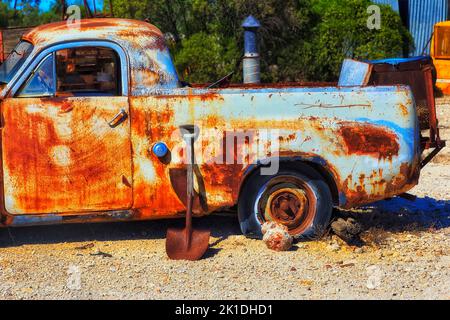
(366, 139)
(59, 162)
(145, 77)
(289, 138)
(45, 32)
(222, 175)
(400, 180)
(357, 195)
(211, 96)
(213, 121)
(126, 182)
(403, 109)
(158, 42)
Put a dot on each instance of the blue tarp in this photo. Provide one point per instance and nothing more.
(396, 61)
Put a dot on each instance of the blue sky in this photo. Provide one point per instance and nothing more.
(46, 4)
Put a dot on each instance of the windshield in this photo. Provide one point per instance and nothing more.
(14, 61)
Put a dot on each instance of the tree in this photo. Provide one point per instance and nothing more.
(4, 14)
(25, 13)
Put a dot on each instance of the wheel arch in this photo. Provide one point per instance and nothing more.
(319, 164)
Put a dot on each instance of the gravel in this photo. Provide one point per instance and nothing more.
(406, 255)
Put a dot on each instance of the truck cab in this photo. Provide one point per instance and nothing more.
(440, 52)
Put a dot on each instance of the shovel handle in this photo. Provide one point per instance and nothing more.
(190, 186)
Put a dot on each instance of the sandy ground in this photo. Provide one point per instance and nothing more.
(406, 256)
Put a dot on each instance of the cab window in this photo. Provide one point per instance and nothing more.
(442, 42)
(87, 71)
(80, 72)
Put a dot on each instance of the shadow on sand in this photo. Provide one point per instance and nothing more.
(221, 227)
(396, 215)
(399, 215)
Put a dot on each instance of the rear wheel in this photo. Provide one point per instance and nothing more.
(297, 197)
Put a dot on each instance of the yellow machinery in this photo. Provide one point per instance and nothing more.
(440, 52)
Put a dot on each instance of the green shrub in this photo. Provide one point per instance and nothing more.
(343, 33)
(203, 58)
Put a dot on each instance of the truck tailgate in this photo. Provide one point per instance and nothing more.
(420, 74)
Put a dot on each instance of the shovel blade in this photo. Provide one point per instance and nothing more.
(178, 248)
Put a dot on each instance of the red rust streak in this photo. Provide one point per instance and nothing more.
(366, 139)
(356, 194)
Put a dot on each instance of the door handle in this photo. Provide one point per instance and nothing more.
(118, 119)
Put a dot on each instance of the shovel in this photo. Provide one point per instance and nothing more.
(188, 243)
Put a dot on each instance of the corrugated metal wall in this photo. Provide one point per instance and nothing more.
(420, 16)
(423, 15)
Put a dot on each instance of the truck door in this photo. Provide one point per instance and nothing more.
(66, 134)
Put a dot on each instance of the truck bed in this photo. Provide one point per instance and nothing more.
(366, 139)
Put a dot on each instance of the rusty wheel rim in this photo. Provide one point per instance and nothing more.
(288, 201)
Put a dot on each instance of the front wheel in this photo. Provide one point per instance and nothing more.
(298, 198)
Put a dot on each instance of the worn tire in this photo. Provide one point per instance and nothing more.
(297, 196)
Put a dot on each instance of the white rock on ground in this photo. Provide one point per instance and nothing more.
(276, 236)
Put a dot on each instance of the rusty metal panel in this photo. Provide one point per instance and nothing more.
(153, 192)
(60, 155)
(371, 151)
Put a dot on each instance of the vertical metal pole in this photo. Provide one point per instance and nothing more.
(88, 9)
(111, 13)
(95, 8)
(63, 3)
(252, 68)
(189, 139)
(434, 129)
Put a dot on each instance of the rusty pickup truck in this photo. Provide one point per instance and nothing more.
(91, 130)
